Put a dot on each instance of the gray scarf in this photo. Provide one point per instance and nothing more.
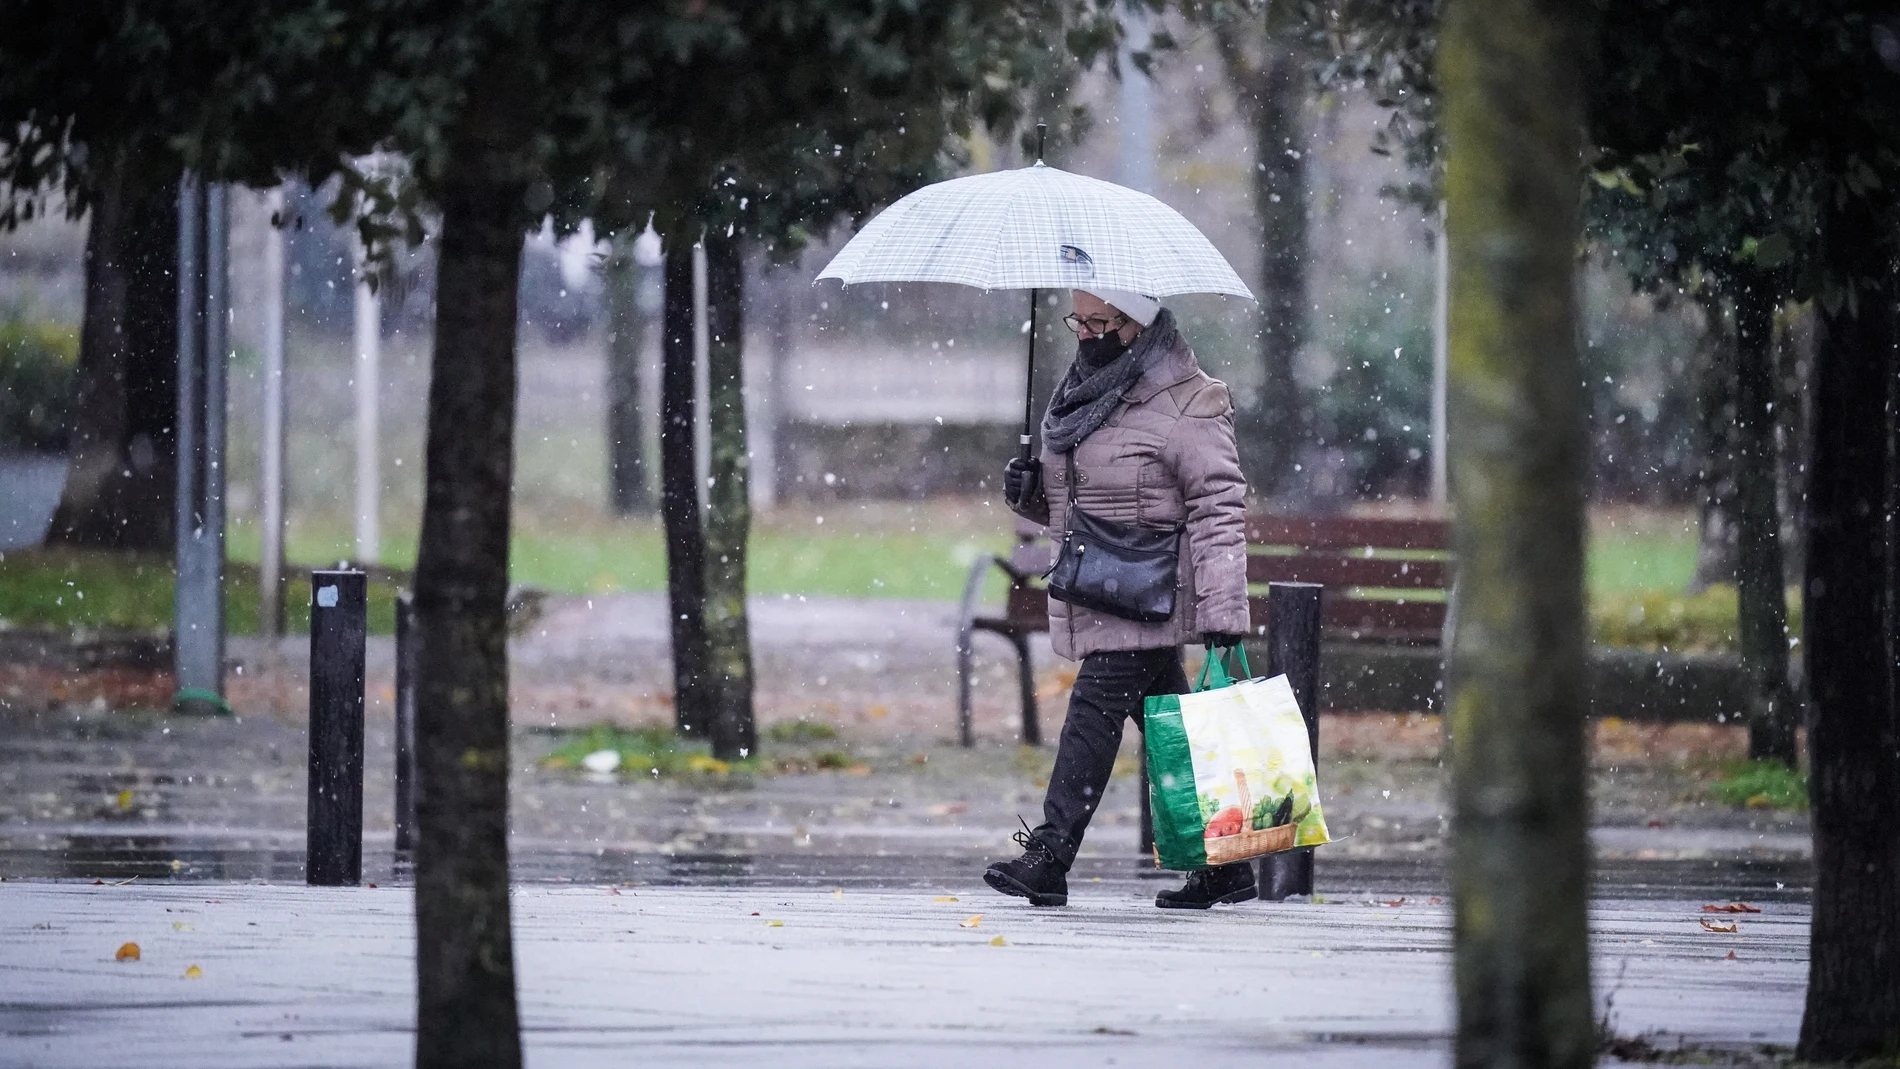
(1087, 396)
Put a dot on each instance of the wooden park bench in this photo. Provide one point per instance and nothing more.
(1388, 582)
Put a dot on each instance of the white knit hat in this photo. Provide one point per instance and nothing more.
(1137, 306)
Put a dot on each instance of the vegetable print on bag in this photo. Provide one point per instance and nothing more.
(1230, 771)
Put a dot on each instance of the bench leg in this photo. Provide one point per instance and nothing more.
(966, 728)
(1032, 723)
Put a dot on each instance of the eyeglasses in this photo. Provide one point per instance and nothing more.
(1096, 324)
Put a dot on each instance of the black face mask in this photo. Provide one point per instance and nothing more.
(1099, 351)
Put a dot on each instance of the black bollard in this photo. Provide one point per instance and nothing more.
(1293, 628)
(333, 832)
(407, 650)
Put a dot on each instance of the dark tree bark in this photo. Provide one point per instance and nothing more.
(728, 512)
(679, 499)
(466, 1011)
(1760, 584)
(626, 343)
(123, 475)
(1853, 1001)
(1520, 856)
(1272, 424)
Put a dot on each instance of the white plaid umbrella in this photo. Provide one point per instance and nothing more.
(1035, 228)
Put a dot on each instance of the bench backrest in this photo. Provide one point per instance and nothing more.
(1387, 580)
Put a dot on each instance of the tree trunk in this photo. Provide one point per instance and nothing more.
(1271, 423)
(1761, 588)
(729, 511)
(1715, 561)
(465, 979)
(1273, 427)
(626, 345)
(1853, 1002)
(123, 474)
(1520, 855)
(679, 499)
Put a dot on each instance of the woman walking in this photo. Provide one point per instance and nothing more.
(1136, 435)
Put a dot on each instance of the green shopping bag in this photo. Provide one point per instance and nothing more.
(1230, 771)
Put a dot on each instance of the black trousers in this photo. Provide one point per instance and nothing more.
(1109, 688)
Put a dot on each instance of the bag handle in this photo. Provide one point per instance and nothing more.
(1214, 668)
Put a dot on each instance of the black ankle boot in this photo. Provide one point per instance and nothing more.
(1036, 875)
(1205, 887)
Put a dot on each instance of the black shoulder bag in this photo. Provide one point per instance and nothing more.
(1116, 568)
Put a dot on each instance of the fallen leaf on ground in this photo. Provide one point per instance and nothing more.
(1731, 956)
(755, 913)
(125, 798)
(1393, 903)
(1434, 901)
(1732, 907)
(839, 893)
(974, 920)
(998, 942)
(127, 952)
(193, 972)
(1726, 929)
(181, 926)
(944, 898)
(947, 808)
(775, 924)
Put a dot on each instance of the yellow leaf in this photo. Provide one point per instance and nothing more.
(839, 893)
(775, 924)
(128, 952)
(944, 898)
(972, 921)
(998, 942)
(125, 798)
(181, 926)
(193, 973)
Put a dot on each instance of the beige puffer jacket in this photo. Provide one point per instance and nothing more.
(1167, 456)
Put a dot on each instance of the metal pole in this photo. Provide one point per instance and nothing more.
(1293, 650)
(333, 831)
(186, 621)
(407, 653)
(204, 311)
(369, 358)
(270, 561)
(1135, 114)
(1441, 358)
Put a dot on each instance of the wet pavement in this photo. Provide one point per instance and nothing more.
(638, 940)
(87, 795)
(948, 975)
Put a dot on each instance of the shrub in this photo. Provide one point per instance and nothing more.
(1761, 785)
(39, 365)
(1662, 620)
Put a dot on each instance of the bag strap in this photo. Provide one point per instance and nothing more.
(1068, 517)
(1213, 667)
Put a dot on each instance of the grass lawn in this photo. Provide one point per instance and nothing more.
(96, 591)
(844, 549)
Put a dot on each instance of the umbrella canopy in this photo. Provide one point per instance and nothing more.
(1035, 228)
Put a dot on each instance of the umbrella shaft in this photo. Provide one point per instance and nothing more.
(1029, 387)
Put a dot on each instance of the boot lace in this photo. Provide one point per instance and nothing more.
(1035, 851)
